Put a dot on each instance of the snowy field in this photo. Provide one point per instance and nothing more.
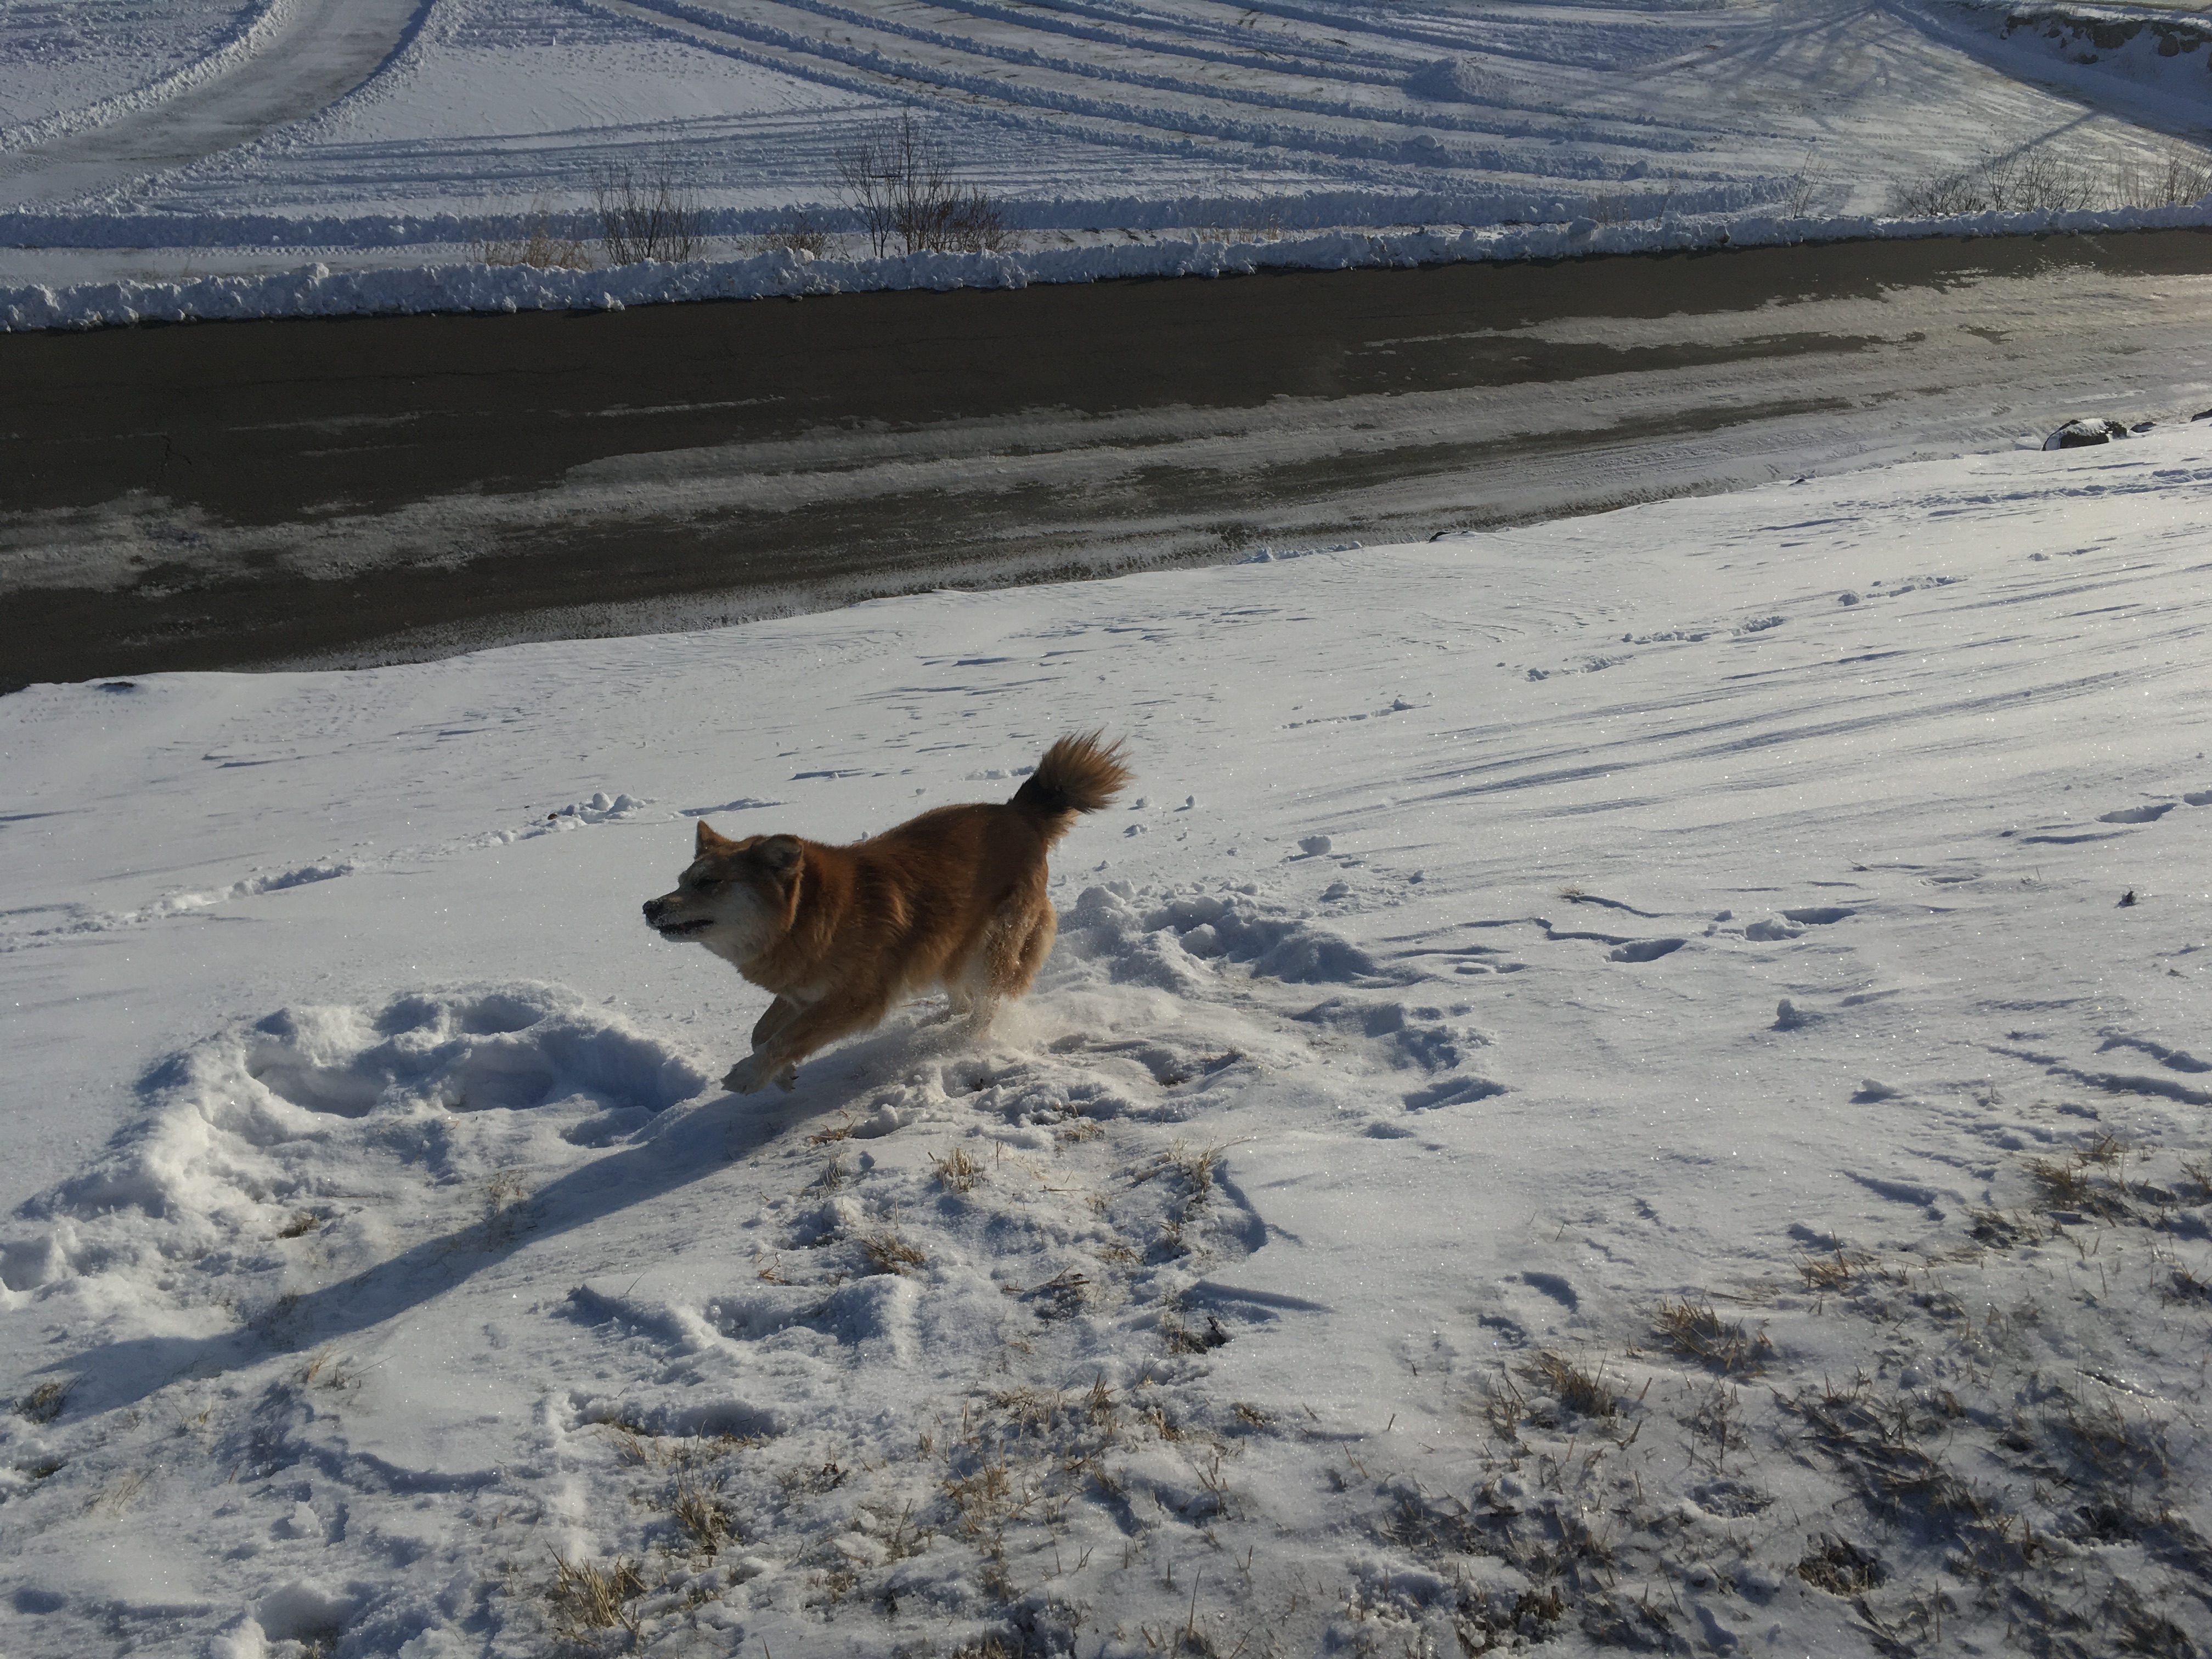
(171, 141)
(1638, 1083)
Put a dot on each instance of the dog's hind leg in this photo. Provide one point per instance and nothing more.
(1028, 942)
(968, 993)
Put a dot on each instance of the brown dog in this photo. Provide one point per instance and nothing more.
(954, 897)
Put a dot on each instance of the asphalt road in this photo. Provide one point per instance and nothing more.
(241, 495)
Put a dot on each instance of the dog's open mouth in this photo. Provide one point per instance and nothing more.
(682, 930)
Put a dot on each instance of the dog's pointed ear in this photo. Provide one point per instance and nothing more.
(778, 853)
(708, 840)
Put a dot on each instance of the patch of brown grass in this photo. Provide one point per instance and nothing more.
(702, 1513)
(1830, 1273)
(1839, 1568)
(958, 1171)
(1578, 1390)
(45, 1403)
(888, 1253)
(1698, 1333)
(585, 1598)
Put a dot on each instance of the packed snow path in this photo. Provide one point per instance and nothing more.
(296, 57)
(1636, 1083)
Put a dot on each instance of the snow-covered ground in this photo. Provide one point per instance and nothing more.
(175, 139)
(1635, 1083)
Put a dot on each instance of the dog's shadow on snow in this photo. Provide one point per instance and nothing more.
(686, 1143)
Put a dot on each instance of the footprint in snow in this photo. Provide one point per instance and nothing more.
(1406, 1040)
(1431, 1048)
(1900, 1192)
(2179, 1060)
(1452, 1091)
(1794, 923)
(2065, 834)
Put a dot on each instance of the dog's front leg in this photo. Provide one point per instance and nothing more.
(755, 1070)
(780, 1013)
(816, 1024)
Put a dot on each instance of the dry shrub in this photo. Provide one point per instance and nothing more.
(2037, 180)
(2032, 181)
(650, 218)
(2177, 178)
(797, 230)
(899, 179)
(1699, 1333)
(540, 245)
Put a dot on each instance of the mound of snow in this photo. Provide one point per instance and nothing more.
(289, 1121)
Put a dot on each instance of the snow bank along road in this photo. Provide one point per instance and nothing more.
(1638, 1084)
(359, 491)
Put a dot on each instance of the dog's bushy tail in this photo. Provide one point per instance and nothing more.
(1079, 774)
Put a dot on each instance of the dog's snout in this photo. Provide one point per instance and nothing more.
(653, 907)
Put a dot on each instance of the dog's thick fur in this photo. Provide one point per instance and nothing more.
(954, 897)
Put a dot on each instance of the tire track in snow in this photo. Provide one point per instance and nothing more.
(307, 55)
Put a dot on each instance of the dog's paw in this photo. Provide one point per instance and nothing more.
(750, 1075)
